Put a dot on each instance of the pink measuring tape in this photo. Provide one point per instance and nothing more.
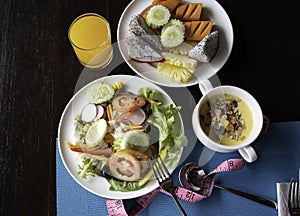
(115, 207)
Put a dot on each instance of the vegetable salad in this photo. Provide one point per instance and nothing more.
(114, 130)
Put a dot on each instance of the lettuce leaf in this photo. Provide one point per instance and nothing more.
(164, 117)
(124, 186)
(150, 94)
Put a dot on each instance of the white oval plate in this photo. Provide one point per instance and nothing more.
(211, 10)
(99, 185)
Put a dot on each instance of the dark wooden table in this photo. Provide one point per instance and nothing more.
(39, 71)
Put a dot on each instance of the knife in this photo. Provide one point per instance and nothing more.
(252, 197)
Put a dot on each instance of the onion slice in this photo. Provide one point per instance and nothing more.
(137, 117)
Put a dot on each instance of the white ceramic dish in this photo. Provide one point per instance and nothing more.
(99, 185)
(212, 10)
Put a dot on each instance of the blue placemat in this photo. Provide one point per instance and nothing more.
(278, 151)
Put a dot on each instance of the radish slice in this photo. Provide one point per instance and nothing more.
(89, 112)
(100, 112)
(137, 117)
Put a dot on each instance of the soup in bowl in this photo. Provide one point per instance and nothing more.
(226, 119)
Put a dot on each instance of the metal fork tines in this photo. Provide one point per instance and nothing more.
(164, 179)
(294, 198)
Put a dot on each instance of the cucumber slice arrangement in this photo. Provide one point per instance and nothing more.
(172, 30)
(157, 16)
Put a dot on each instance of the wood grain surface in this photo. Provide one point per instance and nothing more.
(39, 72)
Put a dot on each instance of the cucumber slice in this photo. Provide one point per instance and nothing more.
(136, 140)
(99, 93)
(157, 16)
(172, 36)
(96, 133)
(174, 22)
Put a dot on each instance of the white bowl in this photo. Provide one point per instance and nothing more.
(244, 147)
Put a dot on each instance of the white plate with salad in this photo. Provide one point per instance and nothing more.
(106, 128)
(211, 11)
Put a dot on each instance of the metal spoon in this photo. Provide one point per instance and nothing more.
(191, 176)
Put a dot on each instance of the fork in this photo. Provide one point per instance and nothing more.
(294, 198)
(164, 179)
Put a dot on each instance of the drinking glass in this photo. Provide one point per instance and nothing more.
(90, 37)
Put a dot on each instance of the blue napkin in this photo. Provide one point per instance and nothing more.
(278, 160)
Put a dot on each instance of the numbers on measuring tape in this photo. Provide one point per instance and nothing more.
(187, 195)
(115, 207)
(230, 165)
(190, 195)
(236, 164)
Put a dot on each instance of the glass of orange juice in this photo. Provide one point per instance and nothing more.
(90, 37)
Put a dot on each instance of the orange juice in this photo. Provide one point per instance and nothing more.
(90, 37)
